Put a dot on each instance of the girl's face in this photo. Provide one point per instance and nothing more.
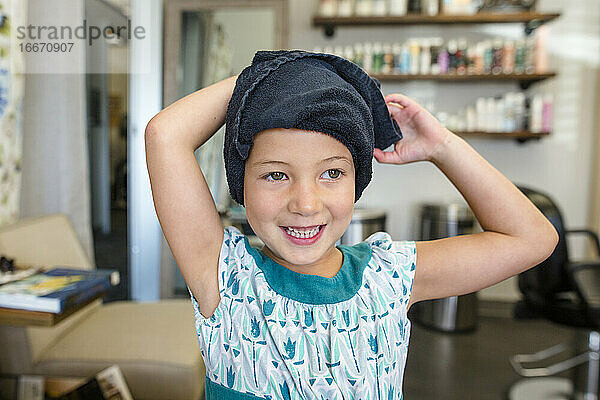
(299, 179)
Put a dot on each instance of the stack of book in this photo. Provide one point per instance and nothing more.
(56, 289)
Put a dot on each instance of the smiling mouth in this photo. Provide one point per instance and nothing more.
(303, 233)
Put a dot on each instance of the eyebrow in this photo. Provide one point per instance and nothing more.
(328, 159)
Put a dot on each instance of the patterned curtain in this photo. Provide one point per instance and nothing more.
(12, 82)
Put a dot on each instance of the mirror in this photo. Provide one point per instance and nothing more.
(205, 42)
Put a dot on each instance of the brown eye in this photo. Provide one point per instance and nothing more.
(334, 173)
(276, 176)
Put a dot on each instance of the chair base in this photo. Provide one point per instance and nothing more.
(541, 389)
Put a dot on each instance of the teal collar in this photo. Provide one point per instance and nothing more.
(314, 289)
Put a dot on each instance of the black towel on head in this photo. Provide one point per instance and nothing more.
(309, 91)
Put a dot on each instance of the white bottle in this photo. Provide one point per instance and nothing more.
(425, 58)
(489, 114)
(379, 7)
(398, 7)
(535, 115)
(510, 124)
(499, 115)
(328, 8)
(471, 119)
(520, 122)
(430, 7)
(368, 57)
(480, 108)
(415, 58)
(364, 8)
(345, 8)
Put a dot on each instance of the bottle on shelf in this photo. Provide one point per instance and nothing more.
(414, 6)
(430, 7)
(535, 118)
(364, 8)
(345, 8)
(398, 7)
(380, 7)
(547, 113)
(430, 56)
(503, 114)
(497, 48)
(328, 8)
(388, 59)
(452, 50)
(435, 49)
(508, 57)
(425, 58)
(541, 55)
(415, 51)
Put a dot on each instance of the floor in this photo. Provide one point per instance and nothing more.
(475, 365)
(440, 365)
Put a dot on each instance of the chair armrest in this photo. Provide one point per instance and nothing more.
(588, 232)
(585, 277)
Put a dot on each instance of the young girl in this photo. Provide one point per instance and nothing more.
(302, 318)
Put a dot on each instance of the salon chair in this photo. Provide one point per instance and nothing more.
(153, 343)
(566, 293)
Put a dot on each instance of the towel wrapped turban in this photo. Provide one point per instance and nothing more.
(308, 91)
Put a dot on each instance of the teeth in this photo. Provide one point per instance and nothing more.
(306, 234)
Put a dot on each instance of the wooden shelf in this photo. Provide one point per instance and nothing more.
(466, 77)
(418, 19)
(520, 135)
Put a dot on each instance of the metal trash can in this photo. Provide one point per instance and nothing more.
(456, 313)
(364, 223)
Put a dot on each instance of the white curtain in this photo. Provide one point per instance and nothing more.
(12, 12)
(55, 173)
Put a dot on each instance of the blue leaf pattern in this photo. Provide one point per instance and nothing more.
(230, 377)
(290, 348)
(255, 332)
(268, 307)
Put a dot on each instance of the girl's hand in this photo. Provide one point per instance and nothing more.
(422, 135)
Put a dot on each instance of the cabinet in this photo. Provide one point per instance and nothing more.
(531, 21)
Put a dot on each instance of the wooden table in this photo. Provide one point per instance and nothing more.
(18, 317)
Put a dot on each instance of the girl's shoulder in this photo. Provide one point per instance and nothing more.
(382, 242)
(393, 253)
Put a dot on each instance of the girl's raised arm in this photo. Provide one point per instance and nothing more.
(183, 202)
(516, 236)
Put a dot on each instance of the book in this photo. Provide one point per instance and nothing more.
(108, 384)
(56, 289)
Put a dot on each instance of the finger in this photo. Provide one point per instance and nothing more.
(398, 98)
(384, 156)
(394, 109)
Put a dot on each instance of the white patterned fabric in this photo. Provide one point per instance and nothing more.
(269, 345)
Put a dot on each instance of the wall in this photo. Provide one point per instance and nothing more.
(55, 165)
(559, 165)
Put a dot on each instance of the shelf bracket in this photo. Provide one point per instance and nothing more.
(329, 30)
(523, 140)
(524, 85)
(532, 25)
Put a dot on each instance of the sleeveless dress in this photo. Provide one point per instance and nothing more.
(279, 334)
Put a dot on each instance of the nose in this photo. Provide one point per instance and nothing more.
(305, 199)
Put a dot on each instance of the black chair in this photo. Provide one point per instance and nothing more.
(566, 293)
